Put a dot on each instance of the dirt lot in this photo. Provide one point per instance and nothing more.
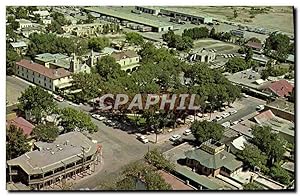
(273, 17)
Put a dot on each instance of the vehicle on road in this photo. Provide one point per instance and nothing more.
(173, 138)
(232, 112)
(58, 98)
(143, 139)
(234, 122)
(226, 124)
(225, 115)
(260, 107)
(218, 118)
(187, 132)
(245, 95)
(98, 117)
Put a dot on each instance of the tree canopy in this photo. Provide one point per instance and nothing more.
(98, 43)
(176, 41)
(280, 43)
(134, 38)
(201, 133)
(269, 142)
(196, 33)
(16, 142)
(280, 174)
(158, 160)
(72, 119)
(45, 132)
(236, 64)
(37, 102)
(107, 68)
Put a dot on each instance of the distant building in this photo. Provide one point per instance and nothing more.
(21, 123)
(238, 33)
(291, 58)
(202, 56)
(148, 9)
(20, 47)
(212, 159)
(282, 108)
(82, 30)
(50, 79)
(175, 182)
(24, 23)
(70, 154)
(42, 13)
(46, 21)
(284, 127)
(280, 88)
(254, 45)
(127, 59)
(186, 14)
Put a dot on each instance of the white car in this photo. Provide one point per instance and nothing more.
(218, 118)
(98, 117)
(143, 139)
(225, 115)
(200, 115)
(205, 115)
(245, 95)
(232, 112)
(187, 132)
(226, 124)
(175, 137)
(260, 107)
(234, 123)
(58, 98)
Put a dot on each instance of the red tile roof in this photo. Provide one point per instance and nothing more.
(20, 122)
(264, 116)
(50, 73)
(255, 45)
(281, 88)
(173, 181)
(124, 54)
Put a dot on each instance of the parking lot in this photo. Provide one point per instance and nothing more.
(14, 88)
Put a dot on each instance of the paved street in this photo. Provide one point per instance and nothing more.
(119, 149)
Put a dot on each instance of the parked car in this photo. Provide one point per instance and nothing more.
(98, 117)
(218, 118)
(245, 95)
(226, 124)
(232, 112)
(143, 139)
(187, 132)
(175, 137)
(58, 98)
(260, 107)
(234, 122)
(225, 115)
(200, 115)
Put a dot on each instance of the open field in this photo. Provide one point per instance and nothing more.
(272, 17)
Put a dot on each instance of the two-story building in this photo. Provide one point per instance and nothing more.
(69, 155)
(50, 79)
(129, 60)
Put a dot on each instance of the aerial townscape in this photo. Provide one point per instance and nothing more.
(138, 98)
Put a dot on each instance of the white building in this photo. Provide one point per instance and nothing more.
(24, 23)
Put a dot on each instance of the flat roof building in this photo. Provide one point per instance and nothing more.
(189, 13)
(156, 25)
(69, 154)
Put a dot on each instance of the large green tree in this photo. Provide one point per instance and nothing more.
(236, 64)
(134, 38)
(269, 142)
(158, 160)
(72, 119)
(280, 174)
(45, 132)
(37, 102)
(205, 130)
(11, 58)
(280, 43)
(16, 142)
(89, 85)
(107, 67)
(98, 43)
(252, 156)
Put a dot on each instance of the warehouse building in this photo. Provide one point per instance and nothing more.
(186, 13)
(148, 9)
(157, 26)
